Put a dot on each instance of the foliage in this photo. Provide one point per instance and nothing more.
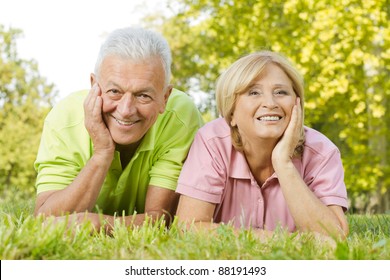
(341, 47)
(25, 98)
(23, 236)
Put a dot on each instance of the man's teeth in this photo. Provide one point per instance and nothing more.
(269, 118)
(124, 122)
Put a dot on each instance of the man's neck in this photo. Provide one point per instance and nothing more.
(127, 152)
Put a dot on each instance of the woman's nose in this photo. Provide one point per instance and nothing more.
(269, 101)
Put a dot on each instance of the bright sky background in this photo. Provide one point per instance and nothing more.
(64, 36)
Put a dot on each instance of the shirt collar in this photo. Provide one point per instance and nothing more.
(149, 140)
(239, 168)
(147, 144)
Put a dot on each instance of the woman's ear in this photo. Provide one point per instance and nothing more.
(232, 121)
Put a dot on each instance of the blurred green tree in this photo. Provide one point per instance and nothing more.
(341, 47)
(25, 98)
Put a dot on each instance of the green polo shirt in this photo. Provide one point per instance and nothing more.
(66, 147)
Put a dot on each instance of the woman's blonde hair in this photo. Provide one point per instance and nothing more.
(239, 77)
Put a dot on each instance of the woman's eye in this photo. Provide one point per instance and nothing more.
(281, 92)
(254, 92)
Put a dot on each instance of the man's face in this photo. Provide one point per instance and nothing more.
(133, 96)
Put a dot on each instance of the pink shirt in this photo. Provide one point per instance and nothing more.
(215, 172)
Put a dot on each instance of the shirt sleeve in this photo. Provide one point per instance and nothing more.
(57, 162)
(327, 180)
(175, 136)
(204, 173)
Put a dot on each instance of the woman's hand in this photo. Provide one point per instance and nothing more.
(284, 149)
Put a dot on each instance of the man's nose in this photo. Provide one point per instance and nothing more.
(127, 105)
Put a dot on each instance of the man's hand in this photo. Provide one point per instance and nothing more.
(96, 222)
(95, 125)
(81, 194)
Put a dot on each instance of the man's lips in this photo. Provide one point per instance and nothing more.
(125, 122)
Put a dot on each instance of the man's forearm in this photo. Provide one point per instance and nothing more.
(81, 194)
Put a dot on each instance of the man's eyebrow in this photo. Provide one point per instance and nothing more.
(110, 84)
(138, 91)
(146, 89)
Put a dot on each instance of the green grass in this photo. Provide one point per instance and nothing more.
(23, 236)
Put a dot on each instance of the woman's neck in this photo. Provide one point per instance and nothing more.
(258, 156)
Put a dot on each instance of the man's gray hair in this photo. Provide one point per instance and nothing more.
(137, 44)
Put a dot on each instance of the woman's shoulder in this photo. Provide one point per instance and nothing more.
(318, 143)
(217, 128)
(213, 143)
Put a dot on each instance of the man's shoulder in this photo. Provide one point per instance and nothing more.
(182, 108)
(68, 111)
(179, 99)
(75, 98)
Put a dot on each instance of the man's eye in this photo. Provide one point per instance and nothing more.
(113, 91)
(144, 97)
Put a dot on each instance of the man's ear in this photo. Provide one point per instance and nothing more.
(93, 79)
(167, 93)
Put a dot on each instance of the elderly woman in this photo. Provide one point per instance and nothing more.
(258, 166)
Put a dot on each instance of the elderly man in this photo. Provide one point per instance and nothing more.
(119, 149)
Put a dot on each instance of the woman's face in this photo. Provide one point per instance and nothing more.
(264, 111)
